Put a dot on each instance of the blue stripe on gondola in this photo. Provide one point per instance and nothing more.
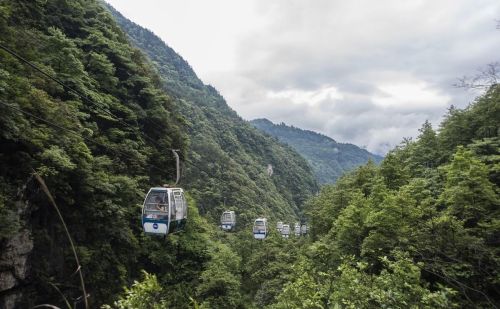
(144, 220)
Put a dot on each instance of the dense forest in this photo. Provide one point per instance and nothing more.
(93, 104)
(328, 158)
(93, 116)
(419, 231)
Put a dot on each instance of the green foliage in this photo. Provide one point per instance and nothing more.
(397, 286)
(220, 286)
(394, 169)
(9, 220)
(468, 193)
(425, 152)
(476, 122)
(142, 295)
(304, 292)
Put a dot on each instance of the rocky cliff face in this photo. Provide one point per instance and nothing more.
(14, 264)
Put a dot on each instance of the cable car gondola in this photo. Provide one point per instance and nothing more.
(279, 226)
(297, 229)
(285, 232)
(260, 228)
(228, 220)
(164, 210)
(303, 229)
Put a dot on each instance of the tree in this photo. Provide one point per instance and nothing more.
(397, 286)
(425, 151)
(220, 284)
(468, 193)
(144, 294)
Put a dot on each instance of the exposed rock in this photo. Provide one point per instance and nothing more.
(10, 300)
(14, 266)
(16, 252)
(7, 280)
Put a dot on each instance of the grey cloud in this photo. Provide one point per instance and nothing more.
(260, 54)
(358, 47)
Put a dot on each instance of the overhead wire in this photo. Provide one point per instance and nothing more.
(86, 99)
(116, 151)
(77, 92)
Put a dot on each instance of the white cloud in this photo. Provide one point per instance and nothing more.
(307, 97)
(410, 97)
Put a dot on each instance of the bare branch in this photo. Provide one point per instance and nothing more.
(484, 79)
(45, 189)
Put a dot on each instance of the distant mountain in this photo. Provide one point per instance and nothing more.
(328, 158)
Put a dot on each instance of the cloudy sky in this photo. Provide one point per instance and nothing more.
(364, 72)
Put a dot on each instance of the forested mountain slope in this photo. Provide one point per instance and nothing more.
(229, 157)
(421, 230)
(97, 125)
(328, 158)
(98, 143)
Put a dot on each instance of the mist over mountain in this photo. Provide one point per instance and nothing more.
(328, 158)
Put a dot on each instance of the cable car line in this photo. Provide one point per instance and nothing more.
(74, 133)
(109, 113)
(84, 97)
(55, 78)
(77, 92)
(168, 230)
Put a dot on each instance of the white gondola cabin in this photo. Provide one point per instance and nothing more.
(260, 228)
(279, 226)
(285, 232)
(303, 229)
(297, 229)
(164, 211)
(228, 220)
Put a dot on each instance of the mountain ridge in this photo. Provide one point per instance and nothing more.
(328, 158)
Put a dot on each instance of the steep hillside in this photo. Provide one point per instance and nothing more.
(96, 125)
(90, 114)
(228, 156)
(329, 159)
